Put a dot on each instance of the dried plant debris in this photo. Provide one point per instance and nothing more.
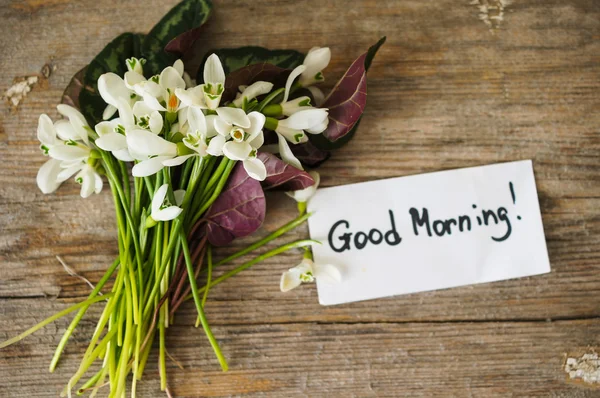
(491, 12)
(585, 368)
(22, 85)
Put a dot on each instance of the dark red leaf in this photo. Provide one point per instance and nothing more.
(181, 44)
(309, 155)
(347, 100)
(238, 211)
(282, 175)
(253, 73)
(71, 94)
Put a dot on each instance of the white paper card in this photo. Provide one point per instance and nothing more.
(429, 231)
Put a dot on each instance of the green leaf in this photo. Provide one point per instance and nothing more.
(236, 58)
(110, 59)
(185, 16)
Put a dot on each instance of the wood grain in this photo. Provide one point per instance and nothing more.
(447, 90)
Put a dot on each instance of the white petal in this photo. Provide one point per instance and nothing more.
(152, 102)
(295, 105)
(293, 136)
(178, 66)
(46, 133)
(47, 176)
(258, 140)
(192, 96)
(179, 195)
(237, 150)
(305, 119)
(149, 167)
(97, 183)
(253, 91)
(189, 82)
(104, 128)
(66, 131)
(215, 146)
(123, 155)
(255, 169)
(108, 112)
(68, 152)
(315, 61)
(222, 127)
(170, 213)
(290, 80)
(182, 116)
(327, 273)
(68, 172)
(286, 153)
(234, 116)
(88, 182)
(319, 128)
(213, 70)
(159, 197)
(141, 108)
(211, 131)
(257, 122)
(132, 79)
(289, 280)
(112, 88)
(196, 121)
(170, 78)
(156, 122)
(77, 120)
(146, 143)
(112, 142)
(176, 161)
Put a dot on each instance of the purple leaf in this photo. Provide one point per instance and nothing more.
(253, 73)
(282, 175)
(309, 155)
(71, 94)
(181, 44)
(238, 211)
(347, 100)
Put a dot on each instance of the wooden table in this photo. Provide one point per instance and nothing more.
(457, 84)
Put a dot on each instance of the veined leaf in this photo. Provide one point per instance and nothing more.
(237, 58)
(183, 19)
(309, 155)
(283, 176)
(71, 94)
(346, 102)
(110, 59)
(253, 73)
(238, 211)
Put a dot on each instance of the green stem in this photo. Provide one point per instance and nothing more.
(270, 253)
(54, 317)
(282, 230)
(198, 302)
(80, 314)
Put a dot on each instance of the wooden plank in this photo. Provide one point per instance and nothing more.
(452, 87)
(311, 358)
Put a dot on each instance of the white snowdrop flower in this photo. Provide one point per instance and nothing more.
(302, 195)
(78, 125)
(47, 175)
(112, 89)
(151, 150)
(199, 129)
(161, 89)
(246, 137)
(90, 180)
(161, 209)
(207, 95)
(315, 61)
(111, 137)
(308, 271)
(252, 91)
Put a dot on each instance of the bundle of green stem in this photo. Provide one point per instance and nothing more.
(156, 271)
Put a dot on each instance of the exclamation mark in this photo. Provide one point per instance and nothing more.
(512, 194)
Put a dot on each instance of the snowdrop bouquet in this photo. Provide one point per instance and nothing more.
(187, 163)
